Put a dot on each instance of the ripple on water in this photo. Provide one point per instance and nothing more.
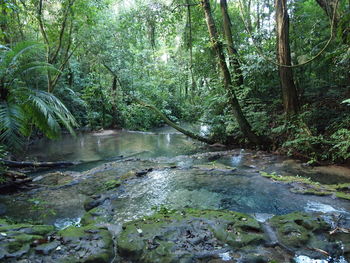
(194, 188)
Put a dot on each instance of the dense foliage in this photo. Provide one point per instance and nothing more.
(92, 58)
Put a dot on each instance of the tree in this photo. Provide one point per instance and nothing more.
(227, 81)
(232, 51)
(289, 91)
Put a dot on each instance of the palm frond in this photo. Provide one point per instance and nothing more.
(40, 66)
(11, 120)
(49, 112)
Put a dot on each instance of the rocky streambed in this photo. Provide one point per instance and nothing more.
(229, 206)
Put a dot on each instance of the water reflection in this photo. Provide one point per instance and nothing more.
(102, 146)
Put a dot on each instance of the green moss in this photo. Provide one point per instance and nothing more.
(111, 184)
(128, 175)
(42, 229)
(311, 187)
(153, 238)
(24, 238)
(288, 179)
(103, 257)
(298, 229)
(76, 232)
(343, 195)
(3, 222)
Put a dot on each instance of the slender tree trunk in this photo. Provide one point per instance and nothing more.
(289, 91)
(232, 51)
(114, 106)
(234, 104)
(4, 92)
(258, 16)
(190, 46)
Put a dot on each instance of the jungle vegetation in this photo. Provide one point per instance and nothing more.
(270, 74)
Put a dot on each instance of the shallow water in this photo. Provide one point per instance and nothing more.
(188, 185)
(107, 145)
(242, 190)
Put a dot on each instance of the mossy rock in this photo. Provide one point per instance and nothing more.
(303, 185)
(111, 184)
(88, 235)
(129, 175)
(183, 236)
(28, 229)
(298, 230)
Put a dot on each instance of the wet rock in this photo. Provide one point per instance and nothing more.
(92, 203)
(46, 249)
(143, 172)
(84, 240)
(213, 236)
(188, 235)
(302, 232)
(21, 242)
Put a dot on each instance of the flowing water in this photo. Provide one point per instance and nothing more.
(181, 176)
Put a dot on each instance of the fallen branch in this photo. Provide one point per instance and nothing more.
(15, 164)
(175, 126)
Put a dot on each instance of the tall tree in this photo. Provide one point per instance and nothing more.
(190, 44)
(289, 90)
(58, 49)
(232, 51)
(227, 81)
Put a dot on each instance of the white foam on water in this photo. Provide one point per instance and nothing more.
(305, 259)
(262, 217)
(225, 256)
(67, 222)
(312, 206)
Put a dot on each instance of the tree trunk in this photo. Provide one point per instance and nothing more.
(227, 81)
(114, 107)
(232, 51)
(190, 46)
(289, 91)
(328, 6)
(174, 125)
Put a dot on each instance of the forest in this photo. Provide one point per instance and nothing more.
(86, 64)
(110, 87)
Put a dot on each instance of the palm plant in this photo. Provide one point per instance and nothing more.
(23, 107)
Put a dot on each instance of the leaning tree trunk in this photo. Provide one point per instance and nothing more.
(228, 85)
(289, 91)
(232, 51)
(174, 125)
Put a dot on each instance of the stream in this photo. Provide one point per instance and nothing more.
(179, 173)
